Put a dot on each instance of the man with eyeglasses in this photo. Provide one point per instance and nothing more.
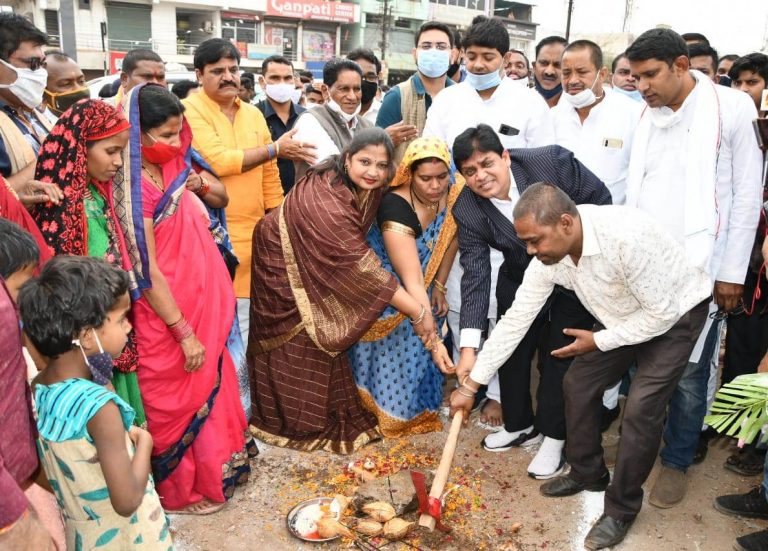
(371, 66)
(405, 106)
(22, 127)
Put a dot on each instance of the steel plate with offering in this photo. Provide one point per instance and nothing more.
(303, 518)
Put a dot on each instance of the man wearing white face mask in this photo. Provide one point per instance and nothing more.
(22, 127)
(332, 125)
(519, 115)
(405, 106)
(595, 123)
(281, 111)
(696, 167)
(622, 81)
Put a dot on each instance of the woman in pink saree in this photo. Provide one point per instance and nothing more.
(183, 311)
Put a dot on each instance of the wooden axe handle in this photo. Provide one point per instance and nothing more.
(444, 468)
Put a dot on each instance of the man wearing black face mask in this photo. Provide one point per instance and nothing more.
(66, 84)
(371, 66)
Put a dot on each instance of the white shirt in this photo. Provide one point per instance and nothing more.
(471, 337)
(373, 112)
(308, 130)
(511, 108)
(663, 187)
(632, 277)
(50, 116)
(738, 188)
(604, 141)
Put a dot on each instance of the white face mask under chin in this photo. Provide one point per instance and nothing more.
(664, 117)
(585, 98)
(333, 106)
(28, 86)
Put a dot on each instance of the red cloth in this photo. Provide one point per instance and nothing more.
(12, 209)
(18, 457)
(199, 282)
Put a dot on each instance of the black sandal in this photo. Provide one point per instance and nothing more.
(746, 462)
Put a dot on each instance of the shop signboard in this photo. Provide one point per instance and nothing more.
(314, 10)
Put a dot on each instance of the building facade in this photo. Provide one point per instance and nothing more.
(308, 32)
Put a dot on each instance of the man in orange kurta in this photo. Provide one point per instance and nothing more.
(234, 139)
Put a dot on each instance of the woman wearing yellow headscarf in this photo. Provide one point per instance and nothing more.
(396, 374)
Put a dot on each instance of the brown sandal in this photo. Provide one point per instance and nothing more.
(202, 507)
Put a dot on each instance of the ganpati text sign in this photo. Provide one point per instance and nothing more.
(317, 10)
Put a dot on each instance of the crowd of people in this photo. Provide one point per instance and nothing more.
(186, 272)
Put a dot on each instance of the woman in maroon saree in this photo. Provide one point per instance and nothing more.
(316, 288)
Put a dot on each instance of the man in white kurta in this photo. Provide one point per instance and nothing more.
(695, 167)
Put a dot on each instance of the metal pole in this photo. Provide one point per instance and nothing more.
(104, 45)
(568, 22)
(384, 29)
(67, 39)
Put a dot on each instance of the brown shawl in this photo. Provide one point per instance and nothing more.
(313, 269)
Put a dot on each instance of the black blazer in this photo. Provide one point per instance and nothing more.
(481, 225)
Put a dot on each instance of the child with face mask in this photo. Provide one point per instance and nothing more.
(96, 462)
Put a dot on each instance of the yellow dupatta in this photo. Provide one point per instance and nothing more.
(423, 148)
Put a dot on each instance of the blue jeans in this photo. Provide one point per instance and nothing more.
(688, 408)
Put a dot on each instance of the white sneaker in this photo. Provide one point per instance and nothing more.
(502, 440)
(549, 461)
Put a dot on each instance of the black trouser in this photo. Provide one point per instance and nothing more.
(660, 364)
(747, 337)
(546, 335)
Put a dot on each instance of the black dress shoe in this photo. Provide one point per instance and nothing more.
(564, 485)
(606, 532)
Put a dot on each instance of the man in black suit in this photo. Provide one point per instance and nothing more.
(483, 211)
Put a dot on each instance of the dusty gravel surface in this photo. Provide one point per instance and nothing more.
(495, 507)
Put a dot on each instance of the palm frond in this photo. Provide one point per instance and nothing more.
(740, 407)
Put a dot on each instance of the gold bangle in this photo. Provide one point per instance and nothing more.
(459, 390)
(420, 317)
(466, 387)
(440, 287)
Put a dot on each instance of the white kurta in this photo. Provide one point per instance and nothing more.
(604, 141)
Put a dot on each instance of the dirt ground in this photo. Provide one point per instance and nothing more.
(496, 506)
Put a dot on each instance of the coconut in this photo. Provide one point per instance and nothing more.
(396, 528)
(330, 528)
(380, 511)
(368, 527)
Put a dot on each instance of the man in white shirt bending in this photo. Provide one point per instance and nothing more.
(695, 167)
(650, 304)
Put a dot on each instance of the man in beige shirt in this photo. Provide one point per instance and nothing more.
(650, 303)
